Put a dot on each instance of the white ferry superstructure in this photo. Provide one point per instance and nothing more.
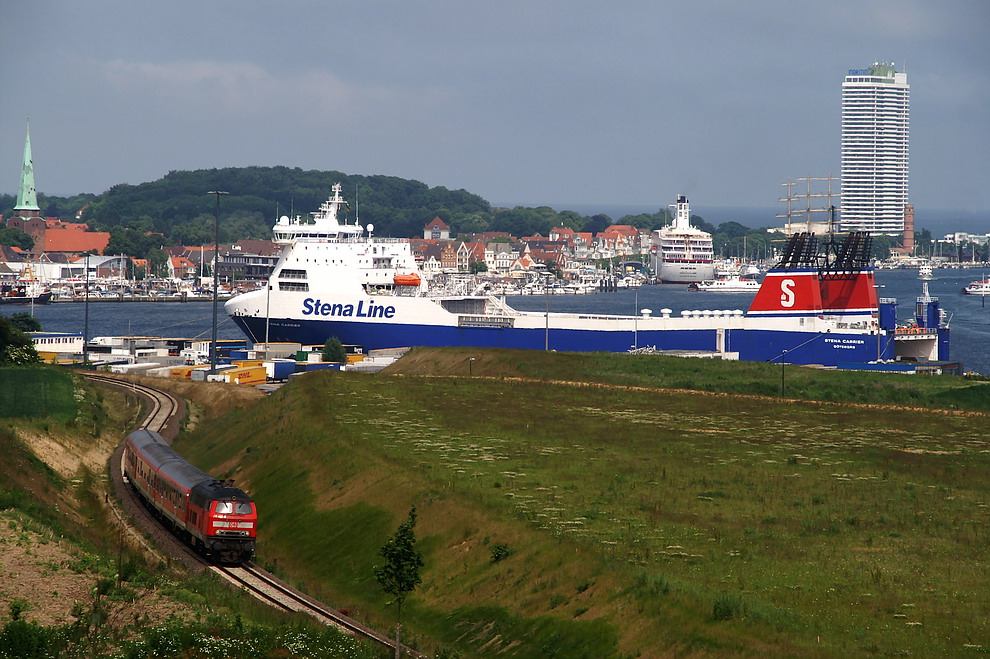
(682, 254)
(332, 280)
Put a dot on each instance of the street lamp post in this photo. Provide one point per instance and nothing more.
(216, 268)
(86, 316)
(783, 360)
(546, 296)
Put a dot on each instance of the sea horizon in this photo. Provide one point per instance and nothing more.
(938, 221)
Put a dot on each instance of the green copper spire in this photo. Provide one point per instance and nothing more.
(27, 197)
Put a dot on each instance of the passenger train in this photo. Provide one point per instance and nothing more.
(213, 516)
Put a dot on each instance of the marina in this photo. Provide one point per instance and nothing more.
(969, 320)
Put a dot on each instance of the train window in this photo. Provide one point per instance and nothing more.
(243, 509)
(225, 507)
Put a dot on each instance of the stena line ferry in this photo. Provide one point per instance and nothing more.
(818, 305)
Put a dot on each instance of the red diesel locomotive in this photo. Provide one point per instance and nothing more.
(214, 517)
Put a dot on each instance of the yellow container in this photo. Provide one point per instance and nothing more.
(249, 375)
(183, 372)
(247, 363)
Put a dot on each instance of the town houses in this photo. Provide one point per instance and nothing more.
(565, 251)
(246, 264)
(68, 257)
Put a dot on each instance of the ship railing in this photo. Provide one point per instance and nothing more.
(914, 330)
(485, 321)
(858, 325)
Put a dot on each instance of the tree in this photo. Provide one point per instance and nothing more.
(157, 260)
(699, 223)
(596, 224)
(333, 351)
(16, 347)
(400, 573)
(15, 238)
(25, 322)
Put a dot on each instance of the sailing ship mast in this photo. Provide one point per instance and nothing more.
(800, 213)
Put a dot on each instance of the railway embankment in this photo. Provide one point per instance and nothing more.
(576, 504)
(590, 506)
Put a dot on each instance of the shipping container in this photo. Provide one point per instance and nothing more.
(280, 369)
(248, 362)
(322, 366)
(201, 374)
(183, 372)
(133, 368)
(248, 375)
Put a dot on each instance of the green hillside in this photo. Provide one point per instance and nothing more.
(72, 586)
(620, 519)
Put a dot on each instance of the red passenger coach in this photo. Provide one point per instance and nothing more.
(214, 517)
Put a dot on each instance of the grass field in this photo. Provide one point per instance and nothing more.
(30, 391)
(568, 520)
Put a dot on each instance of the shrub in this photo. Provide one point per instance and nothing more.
(333, 351)
(727, 607)
(500, 551)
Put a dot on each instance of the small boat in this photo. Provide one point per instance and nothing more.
(407, 280)
(25, 292)
(979, 287)
(925, 272)
(728, 284)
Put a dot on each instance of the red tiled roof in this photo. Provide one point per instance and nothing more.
(621, 229)
(436, 224)
(70, 240)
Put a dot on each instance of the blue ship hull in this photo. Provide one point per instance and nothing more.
(793, 347)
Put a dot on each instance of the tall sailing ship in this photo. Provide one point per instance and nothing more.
(682, 254)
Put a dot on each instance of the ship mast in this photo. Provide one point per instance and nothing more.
(800, 215)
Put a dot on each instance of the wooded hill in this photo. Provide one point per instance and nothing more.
(178, 209)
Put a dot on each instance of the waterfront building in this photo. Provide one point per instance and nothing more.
(875, 104)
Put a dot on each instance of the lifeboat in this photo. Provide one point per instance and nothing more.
(407, 280)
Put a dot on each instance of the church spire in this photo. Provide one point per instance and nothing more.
(27, 197)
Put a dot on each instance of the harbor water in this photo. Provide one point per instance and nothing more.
(970, 315)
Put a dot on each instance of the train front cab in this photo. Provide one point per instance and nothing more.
(226, 521)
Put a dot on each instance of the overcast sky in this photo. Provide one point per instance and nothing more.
(520, 101)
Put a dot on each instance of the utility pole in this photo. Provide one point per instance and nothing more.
(216, 269)
(783, 360)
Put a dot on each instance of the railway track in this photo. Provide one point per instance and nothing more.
(162, 414)
(163, 408)
(278, 593)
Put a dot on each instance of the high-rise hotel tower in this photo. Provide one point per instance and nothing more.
(875, 149)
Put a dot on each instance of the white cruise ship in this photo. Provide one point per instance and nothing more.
(682, 254)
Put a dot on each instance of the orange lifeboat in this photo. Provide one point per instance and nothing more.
(407, 280)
